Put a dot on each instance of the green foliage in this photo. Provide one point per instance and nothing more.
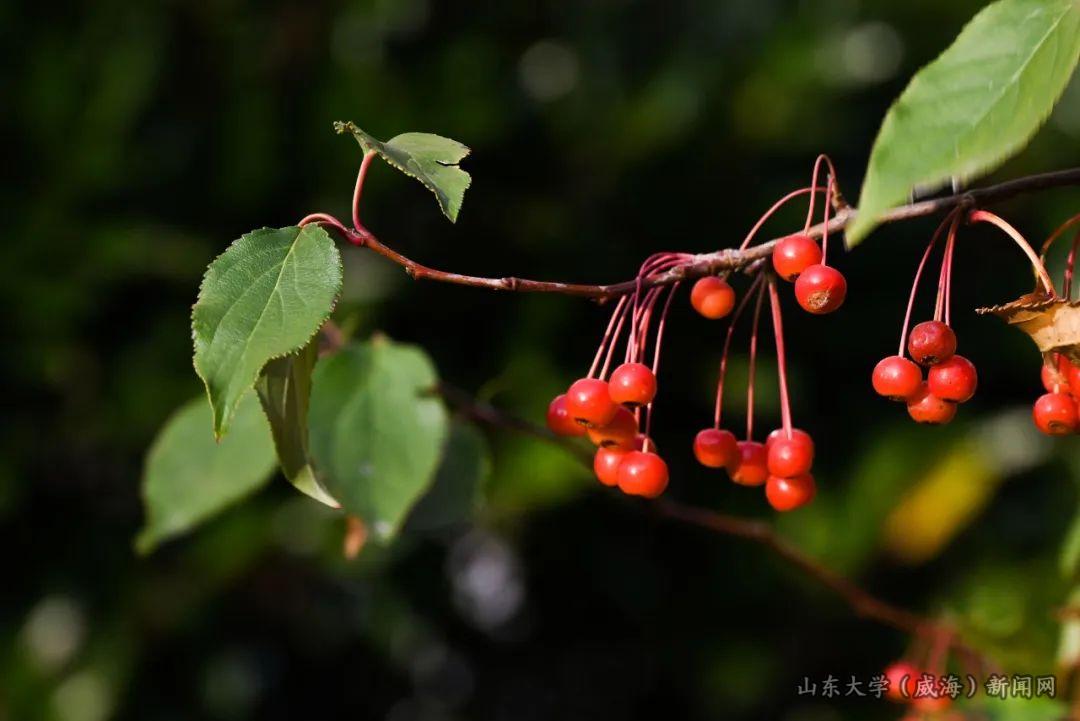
(284, 390)
(458, 490)
(263, 298)
(431, 159)
(377, 429)
(973, 107)
(189, 476)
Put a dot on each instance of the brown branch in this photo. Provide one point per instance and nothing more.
(729, 258)
(862, 602)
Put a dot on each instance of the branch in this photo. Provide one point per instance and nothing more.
(862, 602)
(728, 259)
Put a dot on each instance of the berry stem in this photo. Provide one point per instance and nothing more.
(656, 361)
(825, 221)
(364, 164)
(814, 186)
(941, 303)
(1070, 267)
(1057, 234)
(727, 347)
(753, 365)
(985, 216)
(781, 361)
(950, 251)
(775, 207)
(617, 314)
(915, 283)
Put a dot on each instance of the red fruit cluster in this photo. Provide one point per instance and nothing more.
(782, 464)
(819, 288)
(602, 411)
(1056, 412)
(951, 379)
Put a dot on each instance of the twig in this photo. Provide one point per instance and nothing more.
(728, 259)
(862, 602)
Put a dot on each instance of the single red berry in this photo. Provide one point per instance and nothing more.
(621, 432)
(820, 289)
(751, 468)
(606, 465)
(715, 448)
(789, 457)
(902, 678)
(953, 380)
(633, 384)
(896, 378)
(559, 420)
(643, 474)
(779, 433)
(712, 297)
(1072, 373)
(794, 254)
(589, 403)
(931, 342)
(1055, 414)
(925, 407)
(787, 494)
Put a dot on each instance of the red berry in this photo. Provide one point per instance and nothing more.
(931, 342)
(779, 433)
(621, 432)
(589, 403)
(712, 297)
(643, 474)
(820, 289)
(1058, 376)
(787, 494)
(633, 384)
(559, 420)
(789, 457)
(896, 378)
(925, 407)
(794, 254)
(1072, 374)
(716, 448)
(902, 677)
(953, 380)
(1055, 414)
(751, 468)
(606, 465)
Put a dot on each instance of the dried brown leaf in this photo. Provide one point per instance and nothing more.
(1053, 323)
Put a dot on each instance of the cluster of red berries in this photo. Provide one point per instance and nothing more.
(951, 379)
(1055, 412)
(602, 411)
(782, 464)
(614, 410)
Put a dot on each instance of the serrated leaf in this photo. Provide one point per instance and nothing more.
(974, 106)
(284, 389)
(458, 489)
(188, 477)
(431, 159)
(377, 430)
(264, 297)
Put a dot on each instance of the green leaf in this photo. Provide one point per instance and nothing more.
(458, 490)
(976, 105)
(377, 429)
(431, 159)
(284, 390)
(188, 477)
(264, 297)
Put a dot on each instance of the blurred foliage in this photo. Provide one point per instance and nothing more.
(145, 136)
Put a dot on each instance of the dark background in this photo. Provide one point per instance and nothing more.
(140, 138)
